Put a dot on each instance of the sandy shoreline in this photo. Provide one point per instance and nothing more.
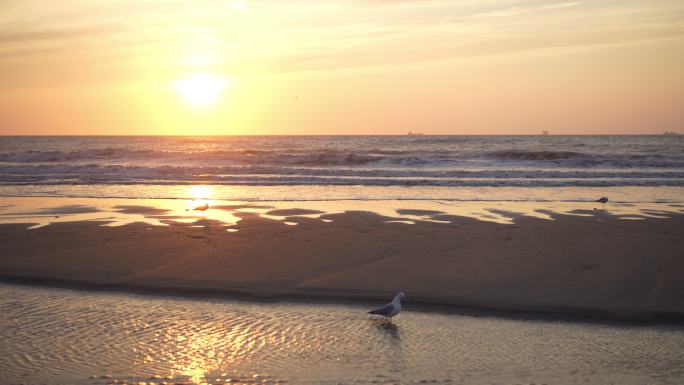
(591, 264)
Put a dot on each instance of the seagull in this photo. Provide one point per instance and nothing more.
(391, 309)
(602, 200)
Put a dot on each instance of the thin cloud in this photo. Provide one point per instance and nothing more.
(275, 36)
(18, 36)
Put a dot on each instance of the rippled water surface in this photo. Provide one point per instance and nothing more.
(40, 165)
(57, 336)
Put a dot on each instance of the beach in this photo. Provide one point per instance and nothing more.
(341, 192)
(622, 263)
(255, 260)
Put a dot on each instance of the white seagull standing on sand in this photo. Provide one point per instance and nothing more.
(603, 200)
(391, 309)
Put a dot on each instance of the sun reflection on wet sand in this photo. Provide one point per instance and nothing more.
(114, 212)
(201, 200)
(199, 359)
(198, 350)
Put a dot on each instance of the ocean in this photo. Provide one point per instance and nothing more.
(345, 167)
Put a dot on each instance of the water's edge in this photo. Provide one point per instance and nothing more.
(555, 314)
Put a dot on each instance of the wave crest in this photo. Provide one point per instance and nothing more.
(535, 155)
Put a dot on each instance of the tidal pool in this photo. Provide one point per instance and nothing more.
(63, 336)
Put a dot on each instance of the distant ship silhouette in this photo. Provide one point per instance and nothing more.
(410, 133)
(545, 133)
(670, 133)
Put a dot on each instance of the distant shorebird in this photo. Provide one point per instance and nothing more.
(602, 200)
(391, 309)
(202, 208)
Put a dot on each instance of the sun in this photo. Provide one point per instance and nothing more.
(201, 89)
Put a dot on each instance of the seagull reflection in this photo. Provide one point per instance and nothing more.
(391, 330)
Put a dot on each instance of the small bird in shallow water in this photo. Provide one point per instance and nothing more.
(202, 208)
(602, 200)
(391, 309)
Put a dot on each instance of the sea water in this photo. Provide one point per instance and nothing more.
(59, 336)
(566, 168)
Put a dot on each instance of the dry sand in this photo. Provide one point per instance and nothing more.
(596, 264)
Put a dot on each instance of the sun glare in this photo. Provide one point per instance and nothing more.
(200, 192)
(200, 199)
(201, 89)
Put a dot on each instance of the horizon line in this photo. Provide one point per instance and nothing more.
(676, 133)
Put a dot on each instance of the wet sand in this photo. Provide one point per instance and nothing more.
(578, 261)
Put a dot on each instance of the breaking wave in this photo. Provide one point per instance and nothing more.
(535, 155)
(374, 161)
(46, 174)
(326, 158)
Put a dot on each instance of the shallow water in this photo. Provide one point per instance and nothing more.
(59, 336)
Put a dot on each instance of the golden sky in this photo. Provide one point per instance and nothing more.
(341, 67)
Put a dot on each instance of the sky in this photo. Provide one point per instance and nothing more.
(172, 67)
